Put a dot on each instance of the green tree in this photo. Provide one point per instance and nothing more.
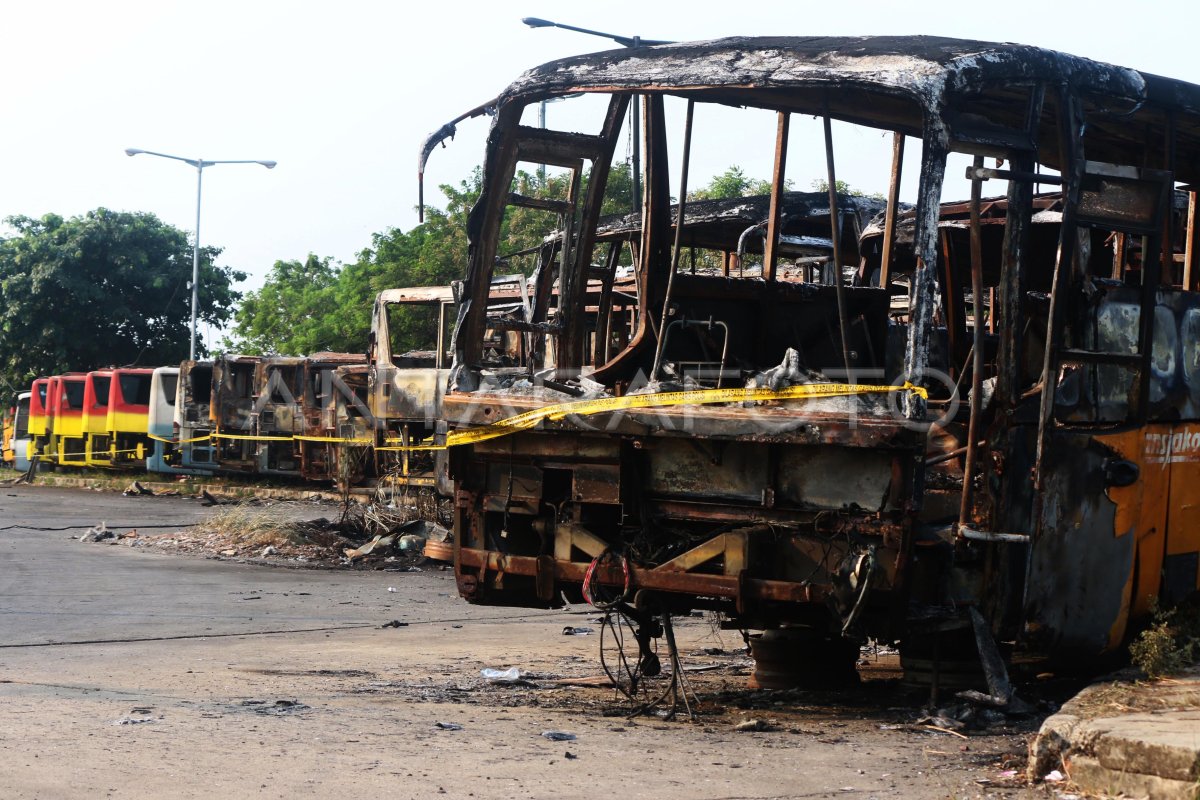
(822, 185)
(303, 308)
(734, 182)
(314, 306)
(289, 314)
(106, 288)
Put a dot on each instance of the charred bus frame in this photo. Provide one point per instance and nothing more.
(811, 515)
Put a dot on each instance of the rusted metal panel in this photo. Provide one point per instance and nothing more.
(596, 483)
(336, 417)
(893, 206)
(235, 390)
(282, 386)
(690, 467)
(1079, 565)
(836, 477)
(771, 254)
(573, 448)
(722, 586)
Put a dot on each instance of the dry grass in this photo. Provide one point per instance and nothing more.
(250, 526)
(1172, 642)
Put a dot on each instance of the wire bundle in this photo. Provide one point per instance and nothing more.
(590, 588)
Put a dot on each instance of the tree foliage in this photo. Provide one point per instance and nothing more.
(293, 300)
(314, 306)
(822, 185)
(733, 182)
(104, 289)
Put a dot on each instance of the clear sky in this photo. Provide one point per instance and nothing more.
(342, 94)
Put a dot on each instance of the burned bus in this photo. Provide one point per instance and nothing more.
(193, 446)
(764, 445)
(331, 421)
(409, 361)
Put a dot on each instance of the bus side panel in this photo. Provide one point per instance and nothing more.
(1142, 510)
(1077, 596)
(1181, 564)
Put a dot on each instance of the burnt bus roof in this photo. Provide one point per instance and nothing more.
(419, 295)
(331, 358)
(1047, 209)
(718, 223)
(920, 66)
(893, 82)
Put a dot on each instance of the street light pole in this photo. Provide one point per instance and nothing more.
(199, 164)
(635, 115)
(196, 263)
(542, 125)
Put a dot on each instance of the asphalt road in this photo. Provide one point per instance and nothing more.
(55, 589)
(126, 672)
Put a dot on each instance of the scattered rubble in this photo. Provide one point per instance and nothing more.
(384, 536)
(753, 725)
(275, 708)
(98, 534)
(573, 631)
(369, 547)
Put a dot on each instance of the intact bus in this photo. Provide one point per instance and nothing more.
(66, 443)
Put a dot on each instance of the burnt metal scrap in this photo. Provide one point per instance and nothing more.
(440, 136)
(1049, 337)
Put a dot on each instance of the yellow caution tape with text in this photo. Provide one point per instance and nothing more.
(334, 439)
(552, 413)
(248, 438)
(180, 441)
(636, 402)
(115, 452)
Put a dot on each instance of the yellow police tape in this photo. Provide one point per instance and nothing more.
(552, 413)
(630, 402)
(179, 441)
(114, 453)
(241, 438)
(335, 439)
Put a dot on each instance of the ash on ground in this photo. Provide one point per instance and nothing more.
(388, 534)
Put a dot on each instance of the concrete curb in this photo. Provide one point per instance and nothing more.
(1135, 739)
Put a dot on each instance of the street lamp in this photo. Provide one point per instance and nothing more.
(199, 164)
(624, 41)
